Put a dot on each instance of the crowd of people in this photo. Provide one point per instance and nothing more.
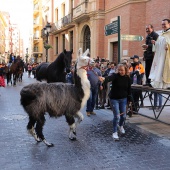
(111, 84)
(5, 68)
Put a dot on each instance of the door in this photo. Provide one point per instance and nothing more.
(115, 52)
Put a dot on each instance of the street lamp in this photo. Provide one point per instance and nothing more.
(26, 55)
(47, 29)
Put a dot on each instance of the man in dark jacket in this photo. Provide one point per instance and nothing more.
(148, 54)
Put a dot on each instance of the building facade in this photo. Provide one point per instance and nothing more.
(81, 24)
(3, 25)
(37, 27)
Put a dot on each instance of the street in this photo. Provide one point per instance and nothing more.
(94, 148)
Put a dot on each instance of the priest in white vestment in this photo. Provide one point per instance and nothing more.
(160, 70)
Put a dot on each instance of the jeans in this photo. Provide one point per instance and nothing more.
(118, 107)
(92, 99)
(157, 97)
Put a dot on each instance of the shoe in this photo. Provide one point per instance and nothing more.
(88, 113)
(129, 113)
(92, 113)
(107, 105)
(115, 136)
(150, 108)
(147, 84)
(158, 109)
(122, 130)
(101, 107)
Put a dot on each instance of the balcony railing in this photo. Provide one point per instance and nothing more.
(36, 7)
(61, 23)
(35, 50)
(81, 9)
(36, 38)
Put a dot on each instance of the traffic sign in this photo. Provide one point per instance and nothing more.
(132, 37)
(111, 28)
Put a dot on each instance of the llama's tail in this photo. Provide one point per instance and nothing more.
(27, 96)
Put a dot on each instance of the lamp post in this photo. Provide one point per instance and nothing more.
(47, 29)
(26, 55)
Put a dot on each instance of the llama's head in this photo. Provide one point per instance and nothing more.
(83, 60)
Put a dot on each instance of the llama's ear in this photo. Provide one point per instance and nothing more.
(86, 52)
(65, 51)
(80, 53)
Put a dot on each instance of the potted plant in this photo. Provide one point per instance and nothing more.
(47, 46)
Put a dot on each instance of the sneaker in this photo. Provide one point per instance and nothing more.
(150, 108)
(92, 113)
(115, 136)
(122, 130)
(102, 107)
(158, 109)
(88, 113)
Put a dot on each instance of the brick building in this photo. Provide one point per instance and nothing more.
(80, 23)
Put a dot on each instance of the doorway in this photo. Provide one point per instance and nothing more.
(114, 52)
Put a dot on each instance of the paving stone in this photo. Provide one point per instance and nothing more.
(94, 148)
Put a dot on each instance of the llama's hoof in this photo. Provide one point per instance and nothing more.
(51, 145)
(38, 139)
(48, 144)
(73, 138)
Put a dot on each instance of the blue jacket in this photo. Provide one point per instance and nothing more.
(93, 77)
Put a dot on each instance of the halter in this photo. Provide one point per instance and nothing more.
(85, 67)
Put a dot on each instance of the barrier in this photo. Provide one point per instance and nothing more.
(148, 91)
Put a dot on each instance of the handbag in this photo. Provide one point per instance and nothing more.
(2, 81)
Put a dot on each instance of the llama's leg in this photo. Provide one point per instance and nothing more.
(31, 130)
(71, 122)
(80, 117)
(39, 130)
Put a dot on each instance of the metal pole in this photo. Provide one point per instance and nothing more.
(47, 48)
(119, 40)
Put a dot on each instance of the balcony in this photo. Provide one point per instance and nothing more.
(63, 23)
(81, 11)
(36, 39)
(36, 9)
(36, 50)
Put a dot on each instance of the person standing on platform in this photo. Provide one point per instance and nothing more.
(148, 53)
(160, 70)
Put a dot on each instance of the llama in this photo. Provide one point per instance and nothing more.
(57, 99)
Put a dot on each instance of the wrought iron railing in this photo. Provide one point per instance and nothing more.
(61, 23)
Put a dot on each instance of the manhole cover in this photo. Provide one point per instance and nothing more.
(15, 117)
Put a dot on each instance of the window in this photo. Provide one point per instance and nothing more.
(56, 45)
(86, 39)
(63, 10)
(71, 40)
(56, 14)
(63, 41)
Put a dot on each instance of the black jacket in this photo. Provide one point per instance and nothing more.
(121, 86)
(148, 54)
